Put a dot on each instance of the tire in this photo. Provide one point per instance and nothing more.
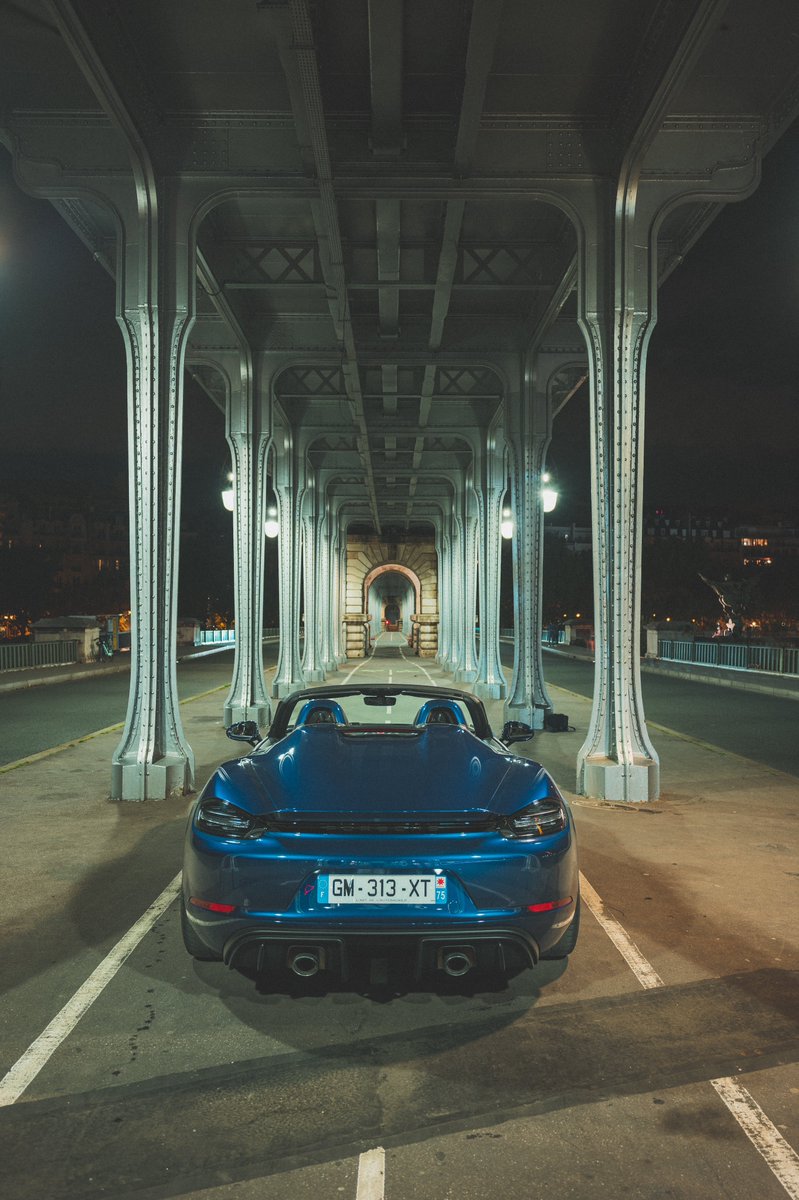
(564, 947)
(195, 946)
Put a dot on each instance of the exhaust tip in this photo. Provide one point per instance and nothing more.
(458, 961)
(305, 961)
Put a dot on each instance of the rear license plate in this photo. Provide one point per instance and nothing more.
(382, 889)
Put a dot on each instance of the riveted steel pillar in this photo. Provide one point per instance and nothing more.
(490, 681)
(247, 436)
(617, 761)
(529, 425)
(445, 596)
(153, 758)
(325, 593)
(341, 588)
(288, 675)
(466, 599)
(311, 659)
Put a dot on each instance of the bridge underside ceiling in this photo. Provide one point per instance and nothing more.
(387, 184)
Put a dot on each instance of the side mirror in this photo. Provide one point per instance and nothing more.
(244, 731)
(516, 731)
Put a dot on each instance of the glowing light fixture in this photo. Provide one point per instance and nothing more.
(506, 525)
(229, 496)
(271, 526)
(549, 495)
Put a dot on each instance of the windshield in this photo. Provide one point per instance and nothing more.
(386, 708)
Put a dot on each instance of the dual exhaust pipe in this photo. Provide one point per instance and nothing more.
(456, 960)
(307, 961)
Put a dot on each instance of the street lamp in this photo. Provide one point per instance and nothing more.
(549, 495)
(271, 526)
(228, 495)
(506, 525)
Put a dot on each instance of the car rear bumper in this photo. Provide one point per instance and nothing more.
(272, 950)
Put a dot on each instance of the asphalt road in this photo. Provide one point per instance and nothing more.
(37, 718)
(591, 1079)
(760, 727)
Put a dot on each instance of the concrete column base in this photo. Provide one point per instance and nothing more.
(260, 713)
(285, 687)
(464, 676)
(605, 779)
(491, 691)
(315, 676)
(152, 781)
(530, 714)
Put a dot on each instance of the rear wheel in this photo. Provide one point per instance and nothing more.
(195, 946)
(564, 947)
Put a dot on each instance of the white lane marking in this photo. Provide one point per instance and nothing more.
(419, 667)
(762, 1133)
(371, 1175)
(362, 663)
(26, 1068)
(643, 971)
(782, 1158)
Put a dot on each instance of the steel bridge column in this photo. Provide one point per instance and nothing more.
(341, 590)
(325, 594)
(490, 682)
(444, 596)
(466, 664)
(311, 660)
(529, 422)
(288, 676)
(248, 438)
(153, 758)
(617, 761)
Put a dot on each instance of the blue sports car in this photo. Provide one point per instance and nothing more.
(380, 817)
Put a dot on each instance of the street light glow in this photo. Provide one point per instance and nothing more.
(506, 525)
(549, 495)
(271, 526)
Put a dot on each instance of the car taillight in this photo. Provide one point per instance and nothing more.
(211, 905)
(538, 819)
(224, 820)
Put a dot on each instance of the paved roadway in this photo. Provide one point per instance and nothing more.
(760, 727)
(657, 1068)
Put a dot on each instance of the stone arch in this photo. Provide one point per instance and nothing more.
(416, 560)
(400, 570)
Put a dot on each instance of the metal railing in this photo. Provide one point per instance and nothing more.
(16, 656)
(511, 633)
(212, 637)
(733, 656)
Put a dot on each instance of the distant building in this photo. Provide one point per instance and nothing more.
(84, 541)
(731, 546)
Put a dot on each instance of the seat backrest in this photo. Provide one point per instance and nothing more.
(439, 712)
(321, 712)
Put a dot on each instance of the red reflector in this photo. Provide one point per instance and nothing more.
(550, 904)
(211, 905)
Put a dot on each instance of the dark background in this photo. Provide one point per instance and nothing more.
(722, 419)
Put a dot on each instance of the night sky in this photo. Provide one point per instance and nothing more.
(722, 380)
(722, 384)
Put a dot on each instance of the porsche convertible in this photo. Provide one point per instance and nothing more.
(380, 818)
